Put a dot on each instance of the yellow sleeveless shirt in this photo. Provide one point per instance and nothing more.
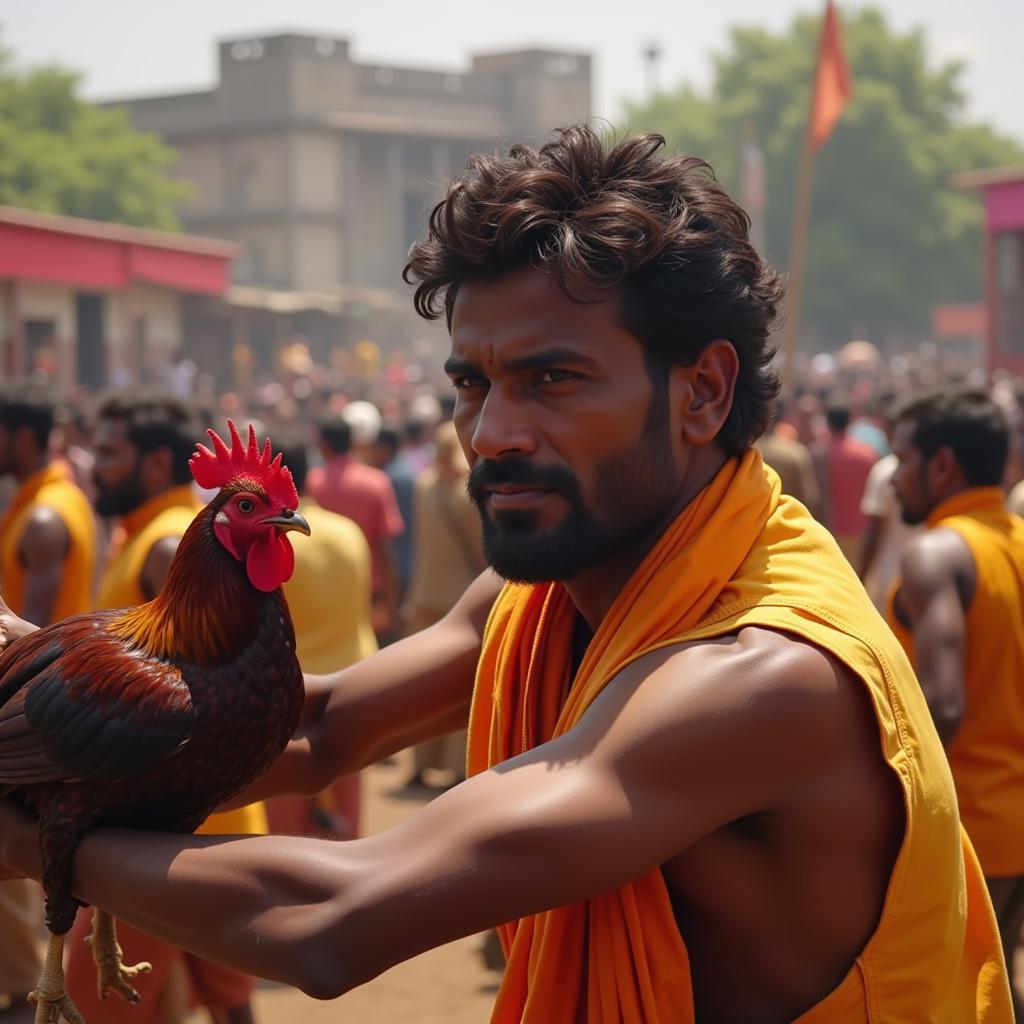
(167, 515)
(739, 555)
(51, 487)
(987, 752)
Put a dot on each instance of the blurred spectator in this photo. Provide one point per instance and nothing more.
(364, 494)
(448, 559)
(886, 532)
(329, 600)
(364, 420)
(843, 464)
(792, 461)
(47, 565)
(387, 454)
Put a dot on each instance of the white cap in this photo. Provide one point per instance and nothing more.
(364, 419)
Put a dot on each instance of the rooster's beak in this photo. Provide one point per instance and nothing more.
(288, 520)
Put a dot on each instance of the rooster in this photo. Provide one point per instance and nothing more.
(151, 717)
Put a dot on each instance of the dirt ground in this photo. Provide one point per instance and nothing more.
(449, 985)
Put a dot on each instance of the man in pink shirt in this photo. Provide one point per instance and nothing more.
(843, 464)
(364, 494)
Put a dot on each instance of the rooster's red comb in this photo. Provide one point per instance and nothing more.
(225, 466)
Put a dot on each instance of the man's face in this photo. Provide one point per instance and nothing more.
(118, 470)
(910, 480)
(568, 439)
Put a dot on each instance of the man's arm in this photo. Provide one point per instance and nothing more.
(413, 690)
(933, 602)
(872, 541)
(652, 767)
(43, 550)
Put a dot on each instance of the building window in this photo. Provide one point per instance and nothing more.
(1009, 287)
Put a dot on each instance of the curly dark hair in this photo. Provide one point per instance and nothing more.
(967, 421)
(659, 229)
(156, 420)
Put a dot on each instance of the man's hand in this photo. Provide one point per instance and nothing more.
(11, 627)
(19, 843)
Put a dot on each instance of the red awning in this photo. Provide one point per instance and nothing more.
(89, 254)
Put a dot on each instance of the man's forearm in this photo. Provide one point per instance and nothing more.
(236, 901)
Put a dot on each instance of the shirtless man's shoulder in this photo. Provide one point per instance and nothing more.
(793, 888)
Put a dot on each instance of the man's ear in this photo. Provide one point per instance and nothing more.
(944, 468)
(703, 391)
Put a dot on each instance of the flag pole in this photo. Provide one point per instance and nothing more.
(831, 92)
(797, 261)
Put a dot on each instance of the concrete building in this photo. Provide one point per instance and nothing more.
(86, 303)
(1002, 189)
(322, 168)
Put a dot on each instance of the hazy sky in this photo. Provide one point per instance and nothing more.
(133, 47)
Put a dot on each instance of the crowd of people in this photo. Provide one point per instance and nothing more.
(743, 745)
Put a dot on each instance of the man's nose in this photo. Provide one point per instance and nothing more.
(503, 427)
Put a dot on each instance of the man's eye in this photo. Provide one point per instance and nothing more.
(246, 506)
(466, 381)
(554, 376)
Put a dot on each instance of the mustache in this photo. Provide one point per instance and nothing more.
(488, 473)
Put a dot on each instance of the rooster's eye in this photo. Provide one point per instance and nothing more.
(246, 506)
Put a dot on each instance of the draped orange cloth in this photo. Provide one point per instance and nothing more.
(986, 753)
(740, 554)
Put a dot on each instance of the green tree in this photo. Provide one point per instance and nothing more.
(60, 154)
(889, 237)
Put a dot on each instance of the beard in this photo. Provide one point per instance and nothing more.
(122, 498)
(634, 493)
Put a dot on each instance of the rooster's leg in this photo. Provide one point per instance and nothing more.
(51, 994)
(111, 972)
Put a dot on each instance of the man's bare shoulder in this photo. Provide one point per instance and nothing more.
(754, 667)
(933, 559)
(45, 539)
(768, 708)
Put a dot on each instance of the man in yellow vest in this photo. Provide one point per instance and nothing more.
(142, 446)
(329, 598)
(703, 781)
(47, 565)
(48, 533)
(958, 608)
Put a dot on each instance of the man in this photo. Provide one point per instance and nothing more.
(448, 559)
(142, 446)
(47, 563)
(47, 534)
(388, 454)
(843, 464)
(958, 610)
(886, 533)
(792, 461)
(364, 494)
(704, 783)
(329, 599)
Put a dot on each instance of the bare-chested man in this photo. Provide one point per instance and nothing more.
(704, 783)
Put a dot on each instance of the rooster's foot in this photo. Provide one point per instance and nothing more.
(52, 1009)
(50, 996)
(111, 971)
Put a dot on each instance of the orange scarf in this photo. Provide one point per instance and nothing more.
(627, 939)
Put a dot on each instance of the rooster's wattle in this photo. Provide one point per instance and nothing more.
(153, 716)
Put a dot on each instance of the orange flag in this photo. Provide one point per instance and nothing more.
(833, 85)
